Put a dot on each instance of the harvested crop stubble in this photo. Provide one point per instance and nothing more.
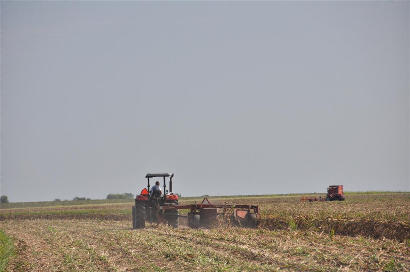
(382, 215)
(351, 227)
(94, 245)
(356, 216)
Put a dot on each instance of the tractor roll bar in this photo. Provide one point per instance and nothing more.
(165, 186)
(159, 175)
(163, 175)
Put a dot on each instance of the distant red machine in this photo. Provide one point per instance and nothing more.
(334, 192)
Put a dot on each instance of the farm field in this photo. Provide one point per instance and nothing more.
(367, 232)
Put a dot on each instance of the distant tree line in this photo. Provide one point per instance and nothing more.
(80, 198)
(120, 196)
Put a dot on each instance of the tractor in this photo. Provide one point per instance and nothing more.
(164, 207)
(151, 208)
(335, 192)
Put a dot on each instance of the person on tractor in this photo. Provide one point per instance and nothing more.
(155, 191)
(155, 196)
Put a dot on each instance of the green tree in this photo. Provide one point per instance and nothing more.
(120, 196)
(4, 199)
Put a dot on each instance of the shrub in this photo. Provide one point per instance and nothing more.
(120, 196)
(4, 199)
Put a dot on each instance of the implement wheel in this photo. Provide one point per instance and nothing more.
(251, 220)
(194, 220)
(208, 217)
(138, 215)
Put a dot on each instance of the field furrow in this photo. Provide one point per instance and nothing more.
(78, 245)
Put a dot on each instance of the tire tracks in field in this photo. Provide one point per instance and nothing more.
(77, 255)
(201, 249)
(105, 247)
(114, 246)
(293, 252)
(240, 250)
(170, 249)
(121, 249)
(48, 248)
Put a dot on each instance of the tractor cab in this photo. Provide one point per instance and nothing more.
(166, 193)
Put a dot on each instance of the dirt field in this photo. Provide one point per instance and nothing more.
(368, 232)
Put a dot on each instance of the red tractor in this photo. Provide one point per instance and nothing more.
(163, 208)
(335, 192)
(150, 207)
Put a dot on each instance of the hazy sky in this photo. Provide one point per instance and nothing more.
(235, 98)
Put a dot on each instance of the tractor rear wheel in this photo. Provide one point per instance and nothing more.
(138, 214)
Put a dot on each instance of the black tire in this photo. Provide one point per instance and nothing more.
(252, 221)
(172, 217)
(140, 214)
(194, 220)
(208, 217)
(233, 221)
